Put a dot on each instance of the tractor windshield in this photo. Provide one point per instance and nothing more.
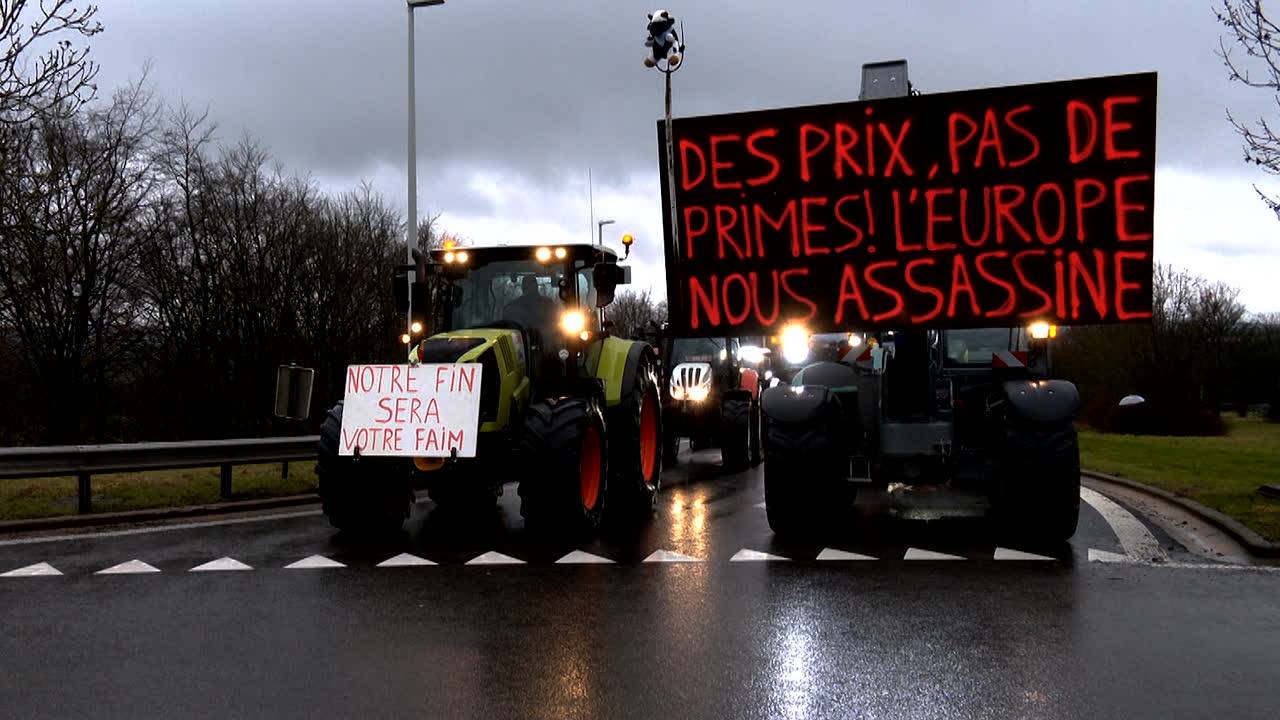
(521, 291)
(976, 346)
(708, 350)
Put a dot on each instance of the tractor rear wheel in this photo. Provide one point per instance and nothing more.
(565, 448)
(804, 480)
(1037, 493)
(635, 448)
(735, 433)
(365, 495)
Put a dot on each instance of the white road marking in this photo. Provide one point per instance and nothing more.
(405, 560)
(156, 529)
(667, 556)
(40, 569)
(745, 555)
(1135, 538)
(832, 554)
(221, 564)
(918, 554)
(131, 567)
(578, 557)
(312, 562)
(1108, 557)
(1007, 554)
(494, 558)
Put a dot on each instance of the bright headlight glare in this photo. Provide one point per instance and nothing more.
(542, 254)
(573, 322)
(450, 256)
(677, 393)
(855, 339)
(752, 354)
(795, 343)
(561, 253)
(416, 327)
(463, 256)
(1041, 330)
(699, 393)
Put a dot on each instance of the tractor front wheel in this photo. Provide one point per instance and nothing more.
(1037, 493)
(565, 449)
(804, 481)
(735, 433)
(364, 495)
(636, 449)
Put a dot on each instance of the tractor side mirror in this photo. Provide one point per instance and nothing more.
(293, 392)
(421, 291)
(607, 277)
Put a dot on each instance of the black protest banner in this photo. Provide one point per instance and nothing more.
(990, 207)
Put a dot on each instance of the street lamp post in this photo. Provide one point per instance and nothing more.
(600, 230)
(411, 228)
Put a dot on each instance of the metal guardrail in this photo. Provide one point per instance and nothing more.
(85, 461)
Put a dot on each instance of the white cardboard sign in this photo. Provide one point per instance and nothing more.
(411, 410)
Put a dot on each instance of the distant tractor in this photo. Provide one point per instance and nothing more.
(712, 397)
(569, 412)
(971, 408)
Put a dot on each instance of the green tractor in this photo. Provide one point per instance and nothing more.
(569, 410)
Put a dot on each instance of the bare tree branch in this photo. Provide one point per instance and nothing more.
(60, 78)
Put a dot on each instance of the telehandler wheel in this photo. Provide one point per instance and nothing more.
(735, 433)
(1037, 492)
(635, 449)
(756, 441)
(566, 449)
(803, 478)
(363, 495)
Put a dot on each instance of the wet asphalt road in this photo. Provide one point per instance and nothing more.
(805, 638)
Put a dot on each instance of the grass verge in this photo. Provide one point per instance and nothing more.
(50, 497)
(1219, 472)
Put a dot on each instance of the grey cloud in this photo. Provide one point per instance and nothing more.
(547, 89)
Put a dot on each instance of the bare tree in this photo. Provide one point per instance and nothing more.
(631, 311)
(70, 200)
(60, 78)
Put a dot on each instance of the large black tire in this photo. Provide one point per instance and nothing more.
(363, 495)
(635, 448)
(670, 448)
(805, 484)
(1036, 496)
(755, 440)
(735, 433)
(560, 459)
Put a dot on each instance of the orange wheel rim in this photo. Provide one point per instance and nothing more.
(589, 469)
(649, 435)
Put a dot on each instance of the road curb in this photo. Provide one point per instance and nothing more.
(1252, 541)
(71, 522)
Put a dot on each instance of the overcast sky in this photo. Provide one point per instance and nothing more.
(517, 99)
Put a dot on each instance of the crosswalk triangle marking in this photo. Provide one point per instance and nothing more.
(669, 556)
(578, 557)
(1008, 554)
(494, 558)
(918, 554)
(1108, 557)
(405, 560)
(745, 555)
(313, 562)
(40, 569)
(128, 568)
(832, 554)
(222, 563)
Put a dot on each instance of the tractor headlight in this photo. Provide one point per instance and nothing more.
(698, 393)
(795, 343)
(677, 393)
(542, 254)
(1041, 330)
(573, 322)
